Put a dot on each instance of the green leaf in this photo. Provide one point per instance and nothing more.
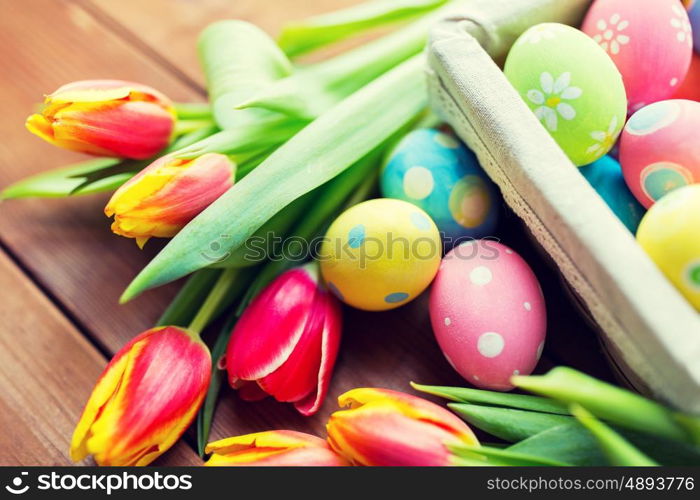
(301, 37)
(568, 442)
(617, 449)
(507, 423)
(189, 299)
(318, 153)
(606, 401)
(238, 59)
(254, 250)
(206, 412)
(315, 88)
(478, 396)
(63, 181)
(192, 110)
(498, 456)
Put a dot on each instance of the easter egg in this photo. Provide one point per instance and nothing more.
(670, 234)
(605, 176)
(437, 173)
(694, 16)
(380, 254)
(690, 88)
(488, 313)
(572, 86)
(659, 149)
(650, 42)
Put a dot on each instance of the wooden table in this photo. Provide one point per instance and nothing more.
(62, 271)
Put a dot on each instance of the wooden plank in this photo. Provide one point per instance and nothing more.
(66, 244)
(47, 371)
(186, 18)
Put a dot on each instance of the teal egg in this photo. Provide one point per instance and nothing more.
(436, 172)
(605, 175)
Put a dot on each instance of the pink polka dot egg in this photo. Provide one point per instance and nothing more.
(650, 42)
(488, 313)
(659, 150)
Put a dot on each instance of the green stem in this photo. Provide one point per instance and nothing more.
(213, 300)
(192, 110)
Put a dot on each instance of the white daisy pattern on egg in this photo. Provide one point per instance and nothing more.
(539, 33)
(551, 99)
(605, 139)
(490, 344)
(680, 21)
(610, 34)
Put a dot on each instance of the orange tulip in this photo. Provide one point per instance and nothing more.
(166, 195)
(273, 448)
(390, 428)
(107, 118)
(145, 399)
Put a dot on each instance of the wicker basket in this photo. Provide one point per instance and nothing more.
(650, 331)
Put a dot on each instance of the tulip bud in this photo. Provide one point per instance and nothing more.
(107, 118)
(166, 195)
(390, 428)
(273, 448)
(145, 399)
(286, 342)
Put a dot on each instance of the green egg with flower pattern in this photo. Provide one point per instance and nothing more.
(572, 86)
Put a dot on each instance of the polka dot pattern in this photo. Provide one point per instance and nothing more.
(418, 183)
(481, 276)
(661, 178)
(356, 236)
(396, 297)
(488, 314)
(653, 118)
(490, 344)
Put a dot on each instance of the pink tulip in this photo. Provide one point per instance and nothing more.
(286, 342)
(107, 118)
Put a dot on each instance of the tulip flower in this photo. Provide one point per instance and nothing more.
(273, 448)
(145, 399)
(166, 195)
(286, 342)
(389, 428)
(107, 118)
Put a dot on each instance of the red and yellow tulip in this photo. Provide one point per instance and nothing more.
(166, 195)
(286, 342)
(147, 396)
(390, 428)
(107, 118)
(273, 448)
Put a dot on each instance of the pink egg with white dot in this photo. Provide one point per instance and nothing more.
(650, 42)
(488, 313)
(659, 150)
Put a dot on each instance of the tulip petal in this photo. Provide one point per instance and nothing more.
(280, 311)
(380, 434)
(107, 90)
(415, 407)
(273, 448)
(164, 381)
(329, 352)
(127, 129)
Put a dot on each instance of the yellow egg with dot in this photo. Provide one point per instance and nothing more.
(380, 254)
(670, 234)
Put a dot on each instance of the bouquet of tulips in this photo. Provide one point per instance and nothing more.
(280, 149)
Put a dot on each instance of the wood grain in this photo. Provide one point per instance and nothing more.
(66, 244)
(47, 371)
(186, 18)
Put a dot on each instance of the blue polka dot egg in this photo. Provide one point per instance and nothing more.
(380, 254)
(437, 173)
